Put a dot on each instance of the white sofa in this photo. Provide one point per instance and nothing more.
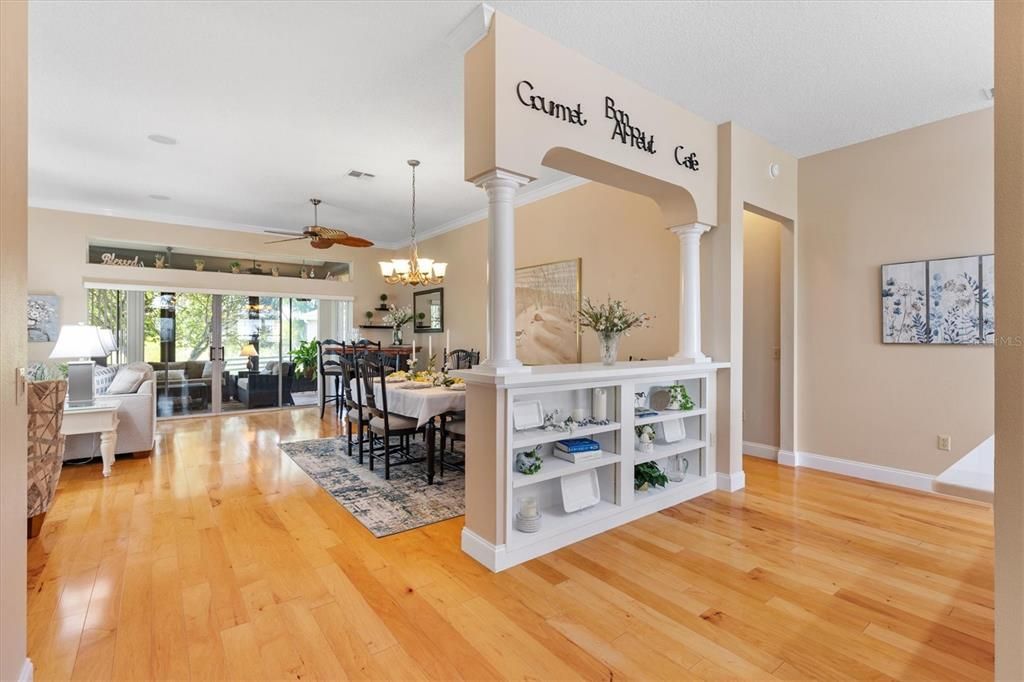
(136, 428)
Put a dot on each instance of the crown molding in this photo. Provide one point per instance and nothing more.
(471, 30)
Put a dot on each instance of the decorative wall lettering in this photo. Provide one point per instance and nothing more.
(687, 160)
(524, 90)
(624, 131)
(112, 259)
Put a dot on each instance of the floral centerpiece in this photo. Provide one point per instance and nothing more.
(397, 318)
(611, 320)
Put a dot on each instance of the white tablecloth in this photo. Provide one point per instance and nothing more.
(420, 403)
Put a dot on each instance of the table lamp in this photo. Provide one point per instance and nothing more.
(249, 351)
(82, 342)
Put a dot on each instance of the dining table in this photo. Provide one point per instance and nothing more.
(424, 405)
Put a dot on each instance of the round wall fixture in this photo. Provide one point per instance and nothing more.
(161, 139)
(773, 170)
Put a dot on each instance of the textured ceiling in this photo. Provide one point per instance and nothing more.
(273, 102)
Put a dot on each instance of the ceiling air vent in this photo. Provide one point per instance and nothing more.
(360, 174)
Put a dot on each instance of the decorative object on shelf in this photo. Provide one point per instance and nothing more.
(672, 431)
(529, 462)
(678, 398)
(312, 273)
(384, 301)
(943, 301)
(200, 264)
(321, 237)
(83, 342)
(580, 490)
(413, 271)
(547, 326)
(610, 320)
(676, 468)
(160, 261)
(397, 318)
(527, 414)
(648, 474)
(577, 450)
(645, 437)
(329, 277)
(599, 404)
(110, 258)
(528, 516)
(368, 315)
(640, 400)
(236, 267)
(43, 318)
(275, 271)
(304, 273)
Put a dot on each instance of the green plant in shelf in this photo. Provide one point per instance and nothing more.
(528, 462)
(648, 474)
(679, 399)
(368, 315)
(305, 357)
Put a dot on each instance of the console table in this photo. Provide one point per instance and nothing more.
(101, 418)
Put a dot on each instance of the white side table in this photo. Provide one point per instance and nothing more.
(100, 417)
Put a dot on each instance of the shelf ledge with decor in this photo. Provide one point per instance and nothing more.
(512, 517)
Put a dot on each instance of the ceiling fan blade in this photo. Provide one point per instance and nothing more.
(278, 241)
(357, 242)
(292, 233)
(331, 233)
(321, 243)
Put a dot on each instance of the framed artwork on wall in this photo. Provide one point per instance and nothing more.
(43, 318)
(547, 300)
(942, 301)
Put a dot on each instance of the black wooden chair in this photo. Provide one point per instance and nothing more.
(461, 358)
(383, 425)
(453, 428)
(356, 413)
(329, 357)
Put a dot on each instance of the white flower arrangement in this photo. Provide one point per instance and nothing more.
(611, 318)
(397, 317)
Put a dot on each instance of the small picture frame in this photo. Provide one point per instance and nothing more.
(527, 414)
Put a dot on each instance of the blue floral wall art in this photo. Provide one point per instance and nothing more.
(944, 301)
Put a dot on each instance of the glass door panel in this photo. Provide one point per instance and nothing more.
(177, 330)
(300, 319)
(255, 375)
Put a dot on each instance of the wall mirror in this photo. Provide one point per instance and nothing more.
(428, 311)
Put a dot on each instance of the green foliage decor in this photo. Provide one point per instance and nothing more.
(611, 317)
(648, 474)
(305, 357)
(678, 396)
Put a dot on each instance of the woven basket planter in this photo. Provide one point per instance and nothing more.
(45, 442)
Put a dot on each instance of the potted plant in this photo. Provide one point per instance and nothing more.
(648, 474)
(200, 264)
(528, 462)
(305, 357)
(383, 302)
(397, 318)
(678, 398)
(369, 316)
(610, 320)
(236, 267)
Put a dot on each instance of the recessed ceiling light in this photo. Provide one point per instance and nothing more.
(161, 139)
(159, 197)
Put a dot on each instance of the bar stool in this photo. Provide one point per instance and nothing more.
(329, 356)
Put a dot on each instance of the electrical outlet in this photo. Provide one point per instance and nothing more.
(944, 442)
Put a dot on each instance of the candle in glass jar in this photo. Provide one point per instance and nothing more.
(528, 507)
(599, 407)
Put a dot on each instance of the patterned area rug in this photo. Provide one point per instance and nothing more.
(384, 507)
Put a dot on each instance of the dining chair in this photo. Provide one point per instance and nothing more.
(461, 358)
(453, 428)
(383, 423)
(353, 404)
(329, 356)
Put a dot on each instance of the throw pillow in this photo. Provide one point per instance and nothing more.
(127, 380)
(102, 377)
(175, 376)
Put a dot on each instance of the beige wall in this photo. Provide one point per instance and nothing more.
(762, 251)
(918, 194)
(13, 187)
(626, 251)
(1009, 383)
(58, 250)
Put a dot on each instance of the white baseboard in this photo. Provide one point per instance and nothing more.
(730, 483)
(760, 450)
(855, 469)
(27, 671)
(483, 551)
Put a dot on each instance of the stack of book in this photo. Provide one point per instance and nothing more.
(577, 449)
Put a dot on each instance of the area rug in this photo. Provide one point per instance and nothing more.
(384, 507)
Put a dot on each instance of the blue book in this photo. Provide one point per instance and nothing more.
(578, 445)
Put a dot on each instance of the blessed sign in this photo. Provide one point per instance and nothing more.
(112, 259)
(624, 130)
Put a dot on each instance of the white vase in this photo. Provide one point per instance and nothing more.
(609, 348)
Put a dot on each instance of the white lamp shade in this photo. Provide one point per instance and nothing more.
(79, 341)
(440, 269)
(387, 268)
(425, 265)
(401, 266)
(109, 343)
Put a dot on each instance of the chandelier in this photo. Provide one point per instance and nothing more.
(413, 270)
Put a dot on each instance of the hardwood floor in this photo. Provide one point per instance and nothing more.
(219, 558)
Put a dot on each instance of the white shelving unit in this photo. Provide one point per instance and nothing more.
(569, 388)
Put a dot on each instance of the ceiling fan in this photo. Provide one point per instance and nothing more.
(321, 237)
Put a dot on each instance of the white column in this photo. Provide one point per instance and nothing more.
(689, 295)
(501, 189)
